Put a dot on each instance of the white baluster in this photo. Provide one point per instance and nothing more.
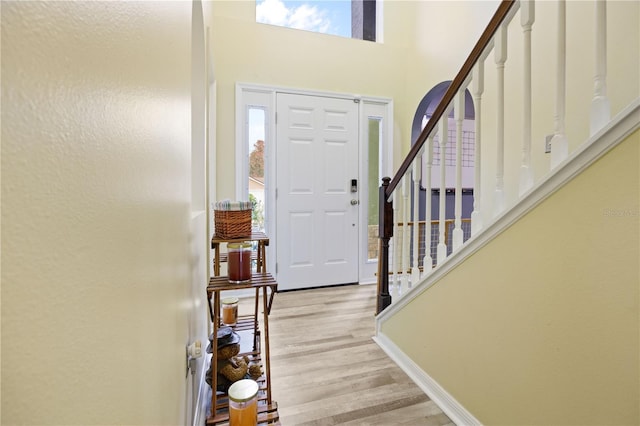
(458, 113)
(559, 143)
(427, 159)
(527, 17)
(500, 51)
(444, 138)
(396, 245)
(600, 108)
(405, 233)
(392, 274)
(478, 89)
(415, 269)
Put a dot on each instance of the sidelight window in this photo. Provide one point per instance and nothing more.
(256, 147)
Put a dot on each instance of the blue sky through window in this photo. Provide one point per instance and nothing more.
(323, 16)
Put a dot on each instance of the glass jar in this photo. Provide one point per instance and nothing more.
(239, 262)
(243, 403)
(229, 310)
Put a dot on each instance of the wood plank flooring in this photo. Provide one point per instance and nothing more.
(326, 369)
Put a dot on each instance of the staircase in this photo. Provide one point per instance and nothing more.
(534, 318)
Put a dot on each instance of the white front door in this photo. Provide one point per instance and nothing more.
(316, 210)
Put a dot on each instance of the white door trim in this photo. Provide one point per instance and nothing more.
(267, 93)
(383, 110)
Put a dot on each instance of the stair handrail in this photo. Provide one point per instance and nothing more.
(385, 229)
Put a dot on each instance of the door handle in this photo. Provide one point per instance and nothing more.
(354, 202)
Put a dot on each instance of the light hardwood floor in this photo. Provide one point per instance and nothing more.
(327, 370)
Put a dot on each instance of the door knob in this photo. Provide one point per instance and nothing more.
(354, 202)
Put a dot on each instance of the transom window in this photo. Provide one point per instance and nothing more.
(345, 18)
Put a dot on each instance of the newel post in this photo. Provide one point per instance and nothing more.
(385, 232)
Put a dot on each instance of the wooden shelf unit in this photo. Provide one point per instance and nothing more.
(250, 345)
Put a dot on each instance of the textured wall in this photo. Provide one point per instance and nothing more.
(540, 327)
(95, 211)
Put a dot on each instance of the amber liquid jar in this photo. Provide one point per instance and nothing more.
(239, 262)
(229, 310)
(243, 403)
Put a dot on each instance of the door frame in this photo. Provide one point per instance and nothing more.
(264, 96)
(381, 109)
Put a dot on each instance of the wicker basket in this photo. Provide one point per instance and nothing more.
(232, 223)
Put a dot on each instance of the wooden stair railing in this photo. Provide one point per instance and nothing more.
(389, 185)
(503, 134)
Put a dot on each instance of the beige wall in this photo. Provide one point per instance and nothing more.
(440, 47)
(248, 52)
(541, 326)
(95, 212)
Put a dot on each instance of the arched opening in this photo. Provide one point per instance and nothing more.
(423, 114)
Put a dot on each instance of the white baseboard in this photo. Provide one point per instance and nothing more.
(200, 415)
(447, 403)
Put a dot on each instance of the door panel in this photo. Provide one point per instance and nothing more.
(301, 249)
(316, 158)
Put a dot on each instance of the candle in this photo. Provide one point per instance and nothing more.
(243, 413)
(229, 310)
(239, 262)
(243, 403)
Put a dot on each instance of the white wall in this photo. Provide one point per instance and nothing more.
(96, 212)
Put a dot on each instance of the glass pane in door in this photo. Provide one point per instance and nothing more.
(256, 132)
(373, 178)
